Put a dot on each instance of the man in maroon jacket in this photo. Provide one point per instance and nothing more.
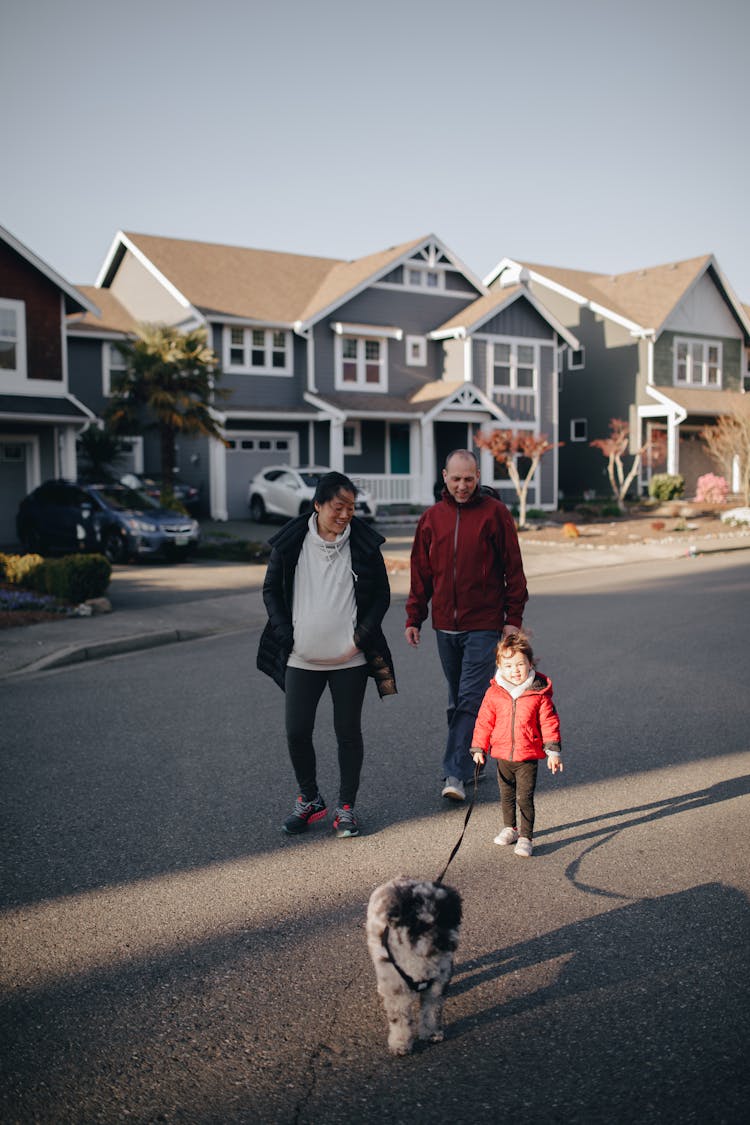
(465, 560)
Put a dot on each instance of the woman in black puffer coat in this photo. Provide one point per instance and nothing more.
(333, 563)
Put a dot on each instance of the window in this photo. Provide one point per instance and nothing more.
(579, 429)
(266, 351)
(512, 367)
(422, 277)
(416, 351)
(113, 363)
(576, 358)
(12, 338)
(697, 363)
(352, 437)
(360, 363)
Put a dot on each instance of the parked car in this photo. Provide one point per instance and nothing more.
(280, 490)
(188, 494)
(65, 517)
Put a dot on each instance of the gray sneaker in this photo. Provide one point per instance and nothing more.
(304, 814)
(454, 789)
(345, 822)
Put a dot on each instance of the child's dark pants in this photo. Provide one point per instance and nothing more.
(517, 782)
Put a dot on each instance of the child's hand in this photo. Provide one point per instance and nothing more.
(477, 755)
(554, 763)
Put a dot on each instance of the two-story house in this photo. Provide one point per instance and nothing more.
(662, 348)
(361, 365)
(39, 416)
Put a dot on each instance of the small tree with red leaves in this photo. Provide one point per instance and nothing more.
(617, 446)
(508, 445)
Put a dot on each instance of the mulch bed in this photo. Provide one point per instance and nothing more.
(9, 619)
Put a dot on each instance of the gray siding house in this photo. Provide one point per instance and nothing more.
(663, 348)
(361, 365)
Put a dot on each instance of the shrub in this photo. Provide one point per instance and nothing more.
(73, 578)
(536, 514)
(711, 489)
(611, 510)
(18, 570)
(666, 486)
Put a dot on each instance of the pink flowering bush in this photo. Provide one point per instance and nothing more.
(711, 489)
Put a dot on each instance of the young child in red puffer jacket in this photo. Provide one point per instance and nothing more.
(518, 724)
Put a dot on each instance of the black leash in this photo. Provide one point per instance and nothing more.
(421, 985)
(466, 821)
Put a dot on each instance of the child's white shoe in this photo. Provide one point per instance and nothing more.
(524, 847)
(507, 836)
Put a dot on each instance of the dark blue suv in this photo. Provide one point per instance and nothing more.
(64, 517)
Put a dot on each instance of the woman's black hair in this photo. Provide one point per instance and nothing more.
(330, 485)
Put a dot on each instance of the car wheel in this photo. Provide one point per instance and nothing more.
(257, 510)
(305, 507)
(115, 547)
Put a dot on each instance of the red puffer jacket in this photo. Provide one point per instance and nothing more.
(467, 560)
(518, 729)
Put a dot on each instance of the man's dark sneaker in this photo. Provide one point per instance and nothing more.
(305, 813)
(345, 822)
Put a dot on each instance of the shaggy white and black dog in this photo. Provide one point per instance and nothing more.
(412, 934)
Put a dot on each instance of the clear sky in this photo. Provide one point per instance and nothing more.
(595, 134)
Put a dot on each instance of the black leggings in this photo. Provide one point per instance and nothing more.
(303, 692)
(517, 781)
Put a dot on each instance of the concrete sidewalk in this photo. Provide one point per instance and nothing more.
(224, 597)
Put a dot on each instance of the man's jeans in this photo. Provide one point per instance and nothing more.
(468, 661)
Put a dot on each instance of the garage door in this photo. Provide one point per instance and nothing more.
(13, 487)
(247, 454)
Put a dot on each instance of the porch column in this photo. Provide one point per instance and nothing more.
(217, 475)
(428, 464)
(66, 446)
(337, 444)
(415, 463)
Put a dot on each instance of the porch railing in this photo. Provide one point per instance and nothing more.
(389, 488)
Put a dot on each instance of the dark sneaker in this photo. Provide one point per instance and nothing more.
(305, 813)
(345, 822)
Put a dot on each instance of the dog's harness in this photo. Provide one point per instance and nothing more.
(421, 985)
(414, 985)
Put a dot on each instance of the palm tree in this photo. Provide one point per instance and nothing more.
(168, 384)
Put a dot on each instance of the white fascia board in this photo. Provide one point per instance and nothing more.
(503, 264)
(678, 413)
(49, 273)
(122, 239)
(458, 333)
(586, 302)
(251, 322)
(390, 332)
(484, 403)
(82, 406)
(324, 407)
(230, 416)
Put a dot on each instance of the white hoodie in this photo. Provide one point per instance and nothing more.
(324, 610)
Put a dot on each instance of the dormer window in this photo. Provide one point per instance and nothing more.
(422, 277)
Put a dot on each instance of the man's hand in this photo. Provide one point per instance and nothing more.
(412, 635)
(509, 630)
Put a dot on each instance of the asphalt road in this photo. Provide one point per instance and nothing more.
(168, 956)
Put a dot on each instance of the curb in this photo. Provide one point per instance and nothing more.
(79, 654)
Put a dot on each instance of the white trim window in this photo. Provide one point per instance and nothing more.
(697, 363)
(513, 366)
(257, 351)
(361, 363)
(579, 429)
(351, 433)
(576, 359)
(12, 339)
(417, 276)
(416, 351)
(113, 363)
